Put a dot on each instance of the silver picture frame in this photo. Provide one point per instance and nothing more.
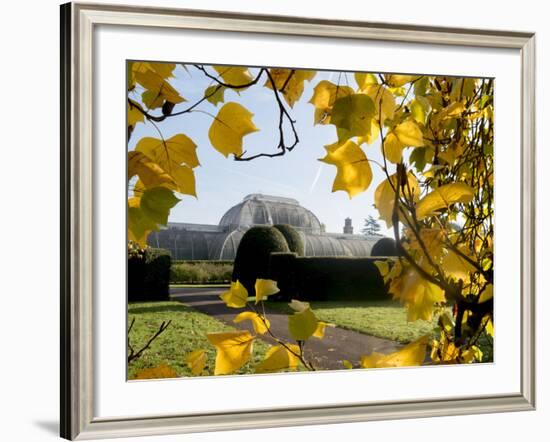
(78, 21)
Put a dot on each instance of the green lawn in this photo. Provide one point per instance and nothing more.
(186, 333)
(385, 319)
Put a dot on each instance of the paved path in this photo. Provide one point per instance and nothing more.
(327, 353)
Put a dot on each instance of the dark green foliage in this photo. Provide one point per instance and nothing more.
(326, 278)
(201, 272)
(384, 247)
(293, 239)
(252, 259)
(371, 227)
(149, 275)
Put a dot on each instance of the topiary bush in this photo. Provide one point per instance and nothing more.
(326, 278)
(252, 258)
(149, 275)
(293, 239)
(384, 247)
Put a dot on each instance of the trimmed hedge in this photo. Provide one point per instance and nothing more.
(149, 275)
(201, 272)
(326, 278)
(252, 259)
(293, 239)
(384, 247)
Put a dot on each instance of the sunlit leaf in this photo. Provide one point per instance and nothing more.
(365, 79)
(409, 133)
(442, 197)
(162, 371)
(384, 195)
(176, 156)
(265, 288)
(157, 90)
(320, 330)
(229, 127)
(196, 361)
(134, 115)
(260, 324)
(418, 294)
(354, 173)
(233, 350)
(149, 172)
(411, 355)
(384, 101)
(236, 296)
(234, 75)
(393, 148)
(324, 95)
(290, 82)
(280, 358)
(399, 80)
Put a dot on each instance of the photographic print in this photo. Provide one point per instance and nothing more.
(291, 220)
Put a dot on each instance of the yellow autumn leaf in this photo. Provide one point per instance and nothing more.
(280, 358)
(265, 288)
(234, 75)
(354, 173)
(347, 364)
(320, 330)
(156, 203)
(236, 296)
(399, 80)
(365, 79)
(134, 115)
(229, 127)
(176, 150)
(457, 266)
(261, 325)
(302, 325)
(149, 172)
(292, 80)
(324, 95)
(215, 94)
(384, 101)
(384, 196)
(442, 197)
(196, 361)
(298, 306)
(162, 371)
(487, 294)
(411, 355)
(352, 115)
(176, 156)
(417, 294)
(233, 350)
(157, 90)
(409, 133)
(393, 148)
(139, 225)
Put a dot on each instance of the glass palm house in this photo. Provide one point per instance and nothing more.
(187, 241)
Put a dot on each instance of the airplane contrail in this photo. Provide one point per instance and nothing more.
(317, 176)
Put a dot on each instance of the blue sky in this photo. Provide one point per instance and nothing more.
(222, 182)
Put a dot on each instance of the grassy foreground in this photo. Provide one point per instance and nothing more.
(385, 319)
(186, 333)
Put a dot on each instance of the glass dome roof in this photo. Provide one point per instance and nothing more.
(258, 209)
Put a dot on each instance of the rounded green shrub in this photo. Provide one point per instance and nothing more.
(293, 239)
(384, 247)
(253, 254)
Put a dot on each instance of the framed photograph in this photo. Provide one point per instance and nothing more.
(274, 221)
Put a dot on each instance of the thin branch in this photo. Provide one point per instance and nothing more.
(134, 355)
